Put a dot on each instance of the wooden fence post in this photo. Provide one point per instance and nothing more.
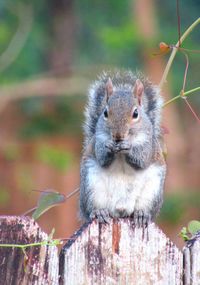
(98, 254)
(191, 254)
(34, 265)
(119, 253)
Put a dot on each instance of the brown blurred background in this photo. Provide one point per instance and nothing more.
(50, 51)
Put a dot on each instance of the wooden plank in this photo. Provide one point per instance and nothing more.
(191, 254)
(120, 253)
(37, 265)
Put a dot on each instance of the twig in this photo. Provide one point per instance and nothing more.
(24, 246)
(41, 88)
(181, 95)
(174, 51)
(186, 71)
(192, 110)
(29, 211)
(72, 193)
(178, 21)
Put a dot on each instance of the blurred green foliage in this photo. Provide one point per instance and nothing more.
(55, 157)
(189, 12)
(11, 152)
(107, 35)
(24, 178)
(32, 58)
(104, 33)
(4, 196)
(173, 209)
(60, 116)
(177, 206)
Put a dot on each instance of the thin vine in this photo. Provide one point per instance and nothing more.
(174, 51)
(182, 95)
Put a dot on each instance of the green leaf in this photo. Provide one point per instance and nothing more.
(184, 234)
(47, 200)
(194, 227)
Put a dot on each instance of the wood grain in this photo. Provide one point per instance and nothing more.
(120, 253)
(37, 265)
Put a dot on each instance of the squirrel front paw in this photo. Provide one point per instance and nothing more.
(118, 147)
(102, 215)
(141, 218)
(110, 145)
(123, 146)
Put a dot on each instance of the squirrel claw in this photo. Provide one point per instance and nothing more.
(141, 218)
(110, 146)
(118, 147)
(102, 215)
(123, 146)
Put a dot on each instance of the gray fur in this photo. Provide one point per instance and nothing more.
(124, 80)
(118, 169)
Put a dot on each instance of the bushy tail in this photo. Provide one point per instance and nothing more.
(153, 104)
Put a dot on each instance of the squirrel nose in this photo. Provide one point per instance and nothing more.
(118, 138)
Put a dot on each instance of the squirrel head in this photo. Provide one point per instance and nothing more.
(123, 109)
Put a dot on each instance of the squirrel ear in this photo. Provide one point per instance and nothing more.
(109, 88)
(138, 90)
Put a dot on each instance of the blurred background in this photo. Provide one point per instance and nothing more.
(50, 51)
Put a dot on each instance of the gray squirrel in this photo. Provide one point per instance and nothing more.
(122, 168)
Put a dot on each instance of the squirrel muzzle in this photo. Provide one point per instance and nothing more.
(118, 138)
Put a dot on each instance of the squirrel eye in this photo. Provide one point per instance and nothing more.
(105, 113)
(135, 114)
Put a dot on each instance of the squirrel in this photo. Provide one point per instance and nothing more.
(122, 169)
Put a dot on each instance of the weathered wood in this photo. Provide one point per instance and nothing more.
(37, 264)
(191, 254)
(115, 253)
(119, 253)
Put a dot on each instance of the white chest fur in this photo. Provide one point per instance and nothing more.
(122, 189)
